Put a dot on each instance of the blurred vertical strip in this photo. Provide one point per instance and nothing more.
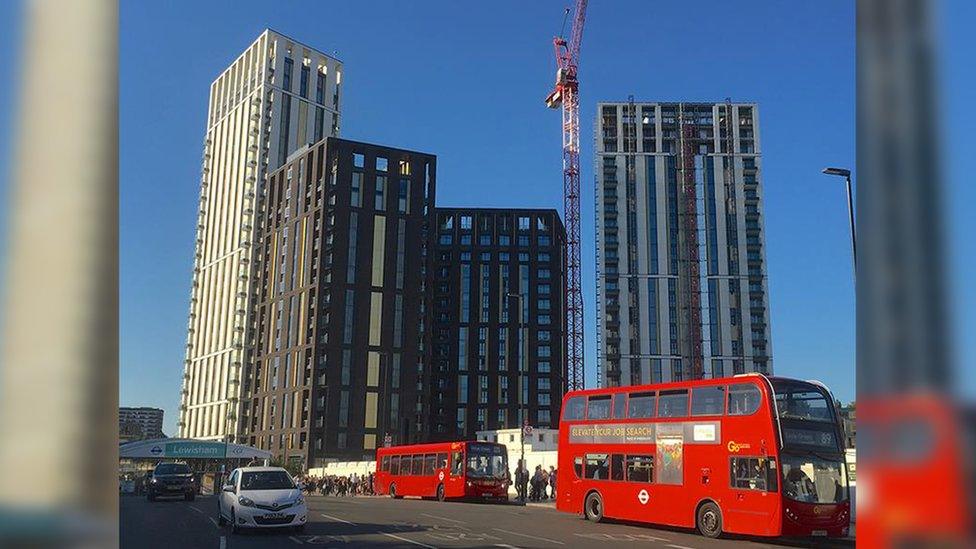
(59, 353)
(915, 483)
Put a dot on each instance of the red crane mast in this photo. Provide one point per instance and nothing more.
(566, 95)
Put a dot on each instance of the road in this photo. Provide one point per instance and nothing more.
(408, 524)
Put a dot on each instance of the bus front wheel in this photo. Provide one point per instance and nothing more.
(393, 491)
(709, 520)
(593, 507)
(440, 492)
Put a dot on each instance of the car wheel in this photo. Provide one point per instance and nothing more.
(593, 507)
(190, 496)
(440, 492)
(709, 520)
(234, 528)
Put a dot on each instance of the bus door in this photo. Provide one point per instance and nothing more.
(753, 482)
(454, 483)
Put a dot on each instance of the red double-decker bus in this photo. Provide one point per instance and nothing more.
(447, 470)
(749, 455)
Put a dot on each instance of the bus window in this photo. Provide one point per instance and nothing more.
(619, 406)
(394, 465)
(673, 403)
(405, 462)
(707, 401)
(457, 464)
(578, 467)
(640, 405)
(640, 468)
(430, 460)
(417, 467)
(598, 466)
(744, 399)
(616, 467)
(442, 461)
(385, 463)
(574, 408)
(752, 473)
(598, 407)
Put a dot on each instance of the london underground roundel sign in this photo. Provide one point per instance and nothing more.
(440, 476)
(643, 497)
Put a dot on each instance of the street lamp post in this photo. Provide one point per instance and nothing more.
(525, 419)
(846, 174)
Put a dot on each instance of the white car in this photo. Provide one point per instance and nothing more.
(261, 497)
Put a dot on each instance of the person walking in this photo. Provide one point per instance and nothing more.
(521, 480)
(536, 484)
(552, 481)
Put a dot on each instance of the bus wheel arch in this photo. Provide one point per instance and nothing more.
(440, 492)
(593, 509)
(393, 493)
(708, 518)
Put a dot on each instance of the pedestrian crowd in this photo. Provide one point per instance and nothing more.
(336, 485)
(539, 486)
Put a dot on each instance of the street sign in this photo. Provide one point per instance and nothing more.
(527, 430)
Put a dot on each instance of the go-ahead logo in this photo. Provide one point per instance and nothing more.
(735, 447)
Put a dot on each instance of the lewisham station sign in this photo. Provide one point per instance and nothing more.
(189, 449)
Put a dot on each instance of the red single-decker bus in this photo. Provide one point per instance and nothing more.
(447, 470)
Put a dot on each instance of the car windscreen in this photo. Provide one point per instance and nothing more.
(172, 469)
(266, 480)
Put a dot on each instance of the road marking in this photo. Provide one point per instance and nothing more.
(408, 540)
(339, 519)
(214, 521)
(444, 518)
(382, 533)
(530, 537)
(223, 542)
(296, 540)
(677, 546)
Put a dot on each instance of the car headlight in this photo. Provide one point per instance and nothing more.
(246, 502)
(154, 481)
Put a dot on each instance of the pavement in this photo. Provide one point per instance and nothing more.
(354, 522)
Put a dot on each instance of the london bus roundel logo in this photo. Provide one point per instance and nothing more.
(643, 497)
(440, 476)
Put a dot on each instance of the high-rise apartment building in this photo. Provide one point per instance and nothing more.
(498, 359)
(277, 96)
(148, 420)
(681, 271)
(340, 308)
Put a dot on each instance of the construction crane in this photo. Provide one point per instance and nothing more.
(566, 95)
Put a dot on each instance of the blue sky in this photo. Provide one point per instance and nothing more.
(466, 81)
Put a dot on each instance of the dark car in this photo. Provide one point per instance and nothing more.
(172, 479)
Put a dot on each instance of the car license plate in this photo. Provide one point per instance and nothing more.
(273, 516)
(819, 533)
